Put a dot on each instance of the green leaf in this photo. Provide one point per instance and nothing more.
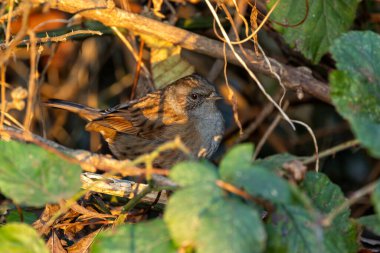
(355, 87)
(230, 226)
(341, 235)
(325, 21)
(208, 220)
(185, 206)
(33, 176)
(294, 229)
(376, 198)
(167, 64)
(239, 157)
(144, 237)
(371, 222)
(274, 162)
(263, 183)
(188, 173)
(20, 238)
(236, 168)
(204, 217)
(324, 195)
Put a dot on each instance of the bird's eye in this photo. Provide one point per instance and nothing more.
(194, 96)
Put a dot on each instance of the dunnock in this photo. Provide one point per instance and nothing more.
(185, 108)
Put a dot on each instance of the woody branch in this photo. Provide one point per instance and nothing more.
(105, 11)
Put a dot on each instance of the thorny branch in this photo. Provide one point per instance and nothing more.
(60, 38)
(105, 11)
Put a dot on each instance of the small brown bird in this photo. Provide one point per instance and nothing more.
(185, 108)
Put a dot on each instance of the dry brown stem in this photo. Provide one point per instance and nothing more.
(6, 53)
(33, 76)
(89, 161)
(106, 12)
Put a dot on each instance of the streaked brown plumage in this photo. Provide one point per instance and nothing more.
(185, 108)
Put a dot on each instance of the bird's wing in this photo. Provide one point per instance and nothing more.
(141, 118)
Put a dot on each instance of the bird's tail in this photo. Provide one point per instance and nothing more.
(85, 112)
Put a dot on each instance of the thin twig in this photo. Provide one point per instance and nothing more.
(268, 133)
(13, 120)
(329, 218)
(33, 75)
(5, 54)
(138, 69)
(10, 13)
(254, 33)
(17, 12)
(332, 151)
(231, 96)
(236, 23)
(133, 202)
(245, 66)
(149, 158)
(130, 48)
(315, 142)
(265, 112)
(3, 70)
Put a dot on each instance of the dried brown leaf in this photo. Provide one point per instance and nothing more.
(83, 245)
(296, 169)
(46, 215)
(54, 244)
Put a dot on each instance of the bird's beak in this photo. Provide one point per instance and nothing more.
(214, 96)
